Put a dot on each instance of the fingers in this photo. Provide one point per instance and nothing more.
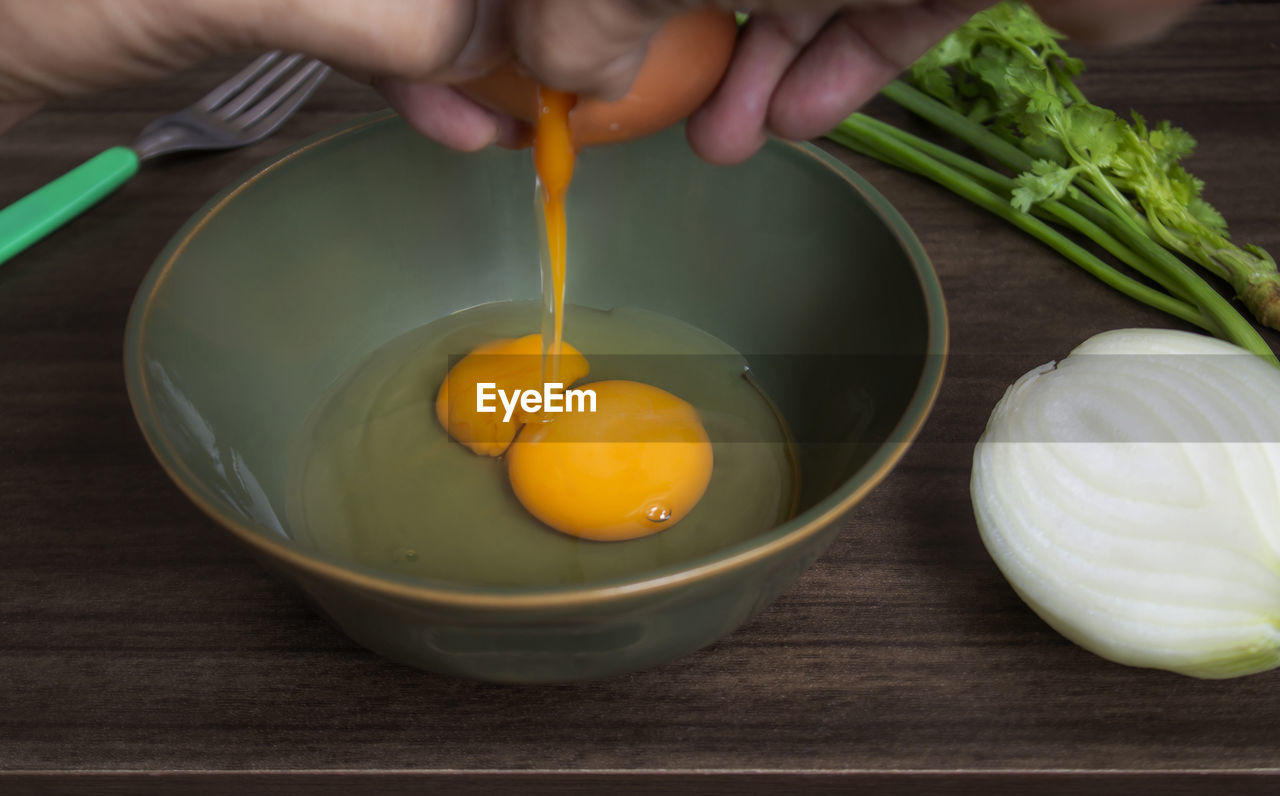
(409, 51)
(444, 115)
(799, 68)
(1109, 22)
(730, 127)
(854, 56)
(800, 80)
(591, 48)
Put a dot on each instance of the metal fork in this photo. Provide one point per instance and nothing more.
(246, 108)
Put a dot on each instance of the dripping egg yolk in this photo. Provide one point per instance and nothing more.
(635, 462)
(635, 466)
(510, 365)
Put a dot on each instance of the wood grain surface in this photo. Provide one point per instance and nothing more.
(143, 651)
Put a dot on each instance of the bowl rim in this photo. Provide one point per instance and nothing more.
(791, 533)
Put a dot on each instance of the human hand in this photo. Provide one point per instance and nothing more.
(51, 50)
(799, 67)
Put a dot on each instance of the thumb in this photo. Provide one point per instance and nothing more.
(410, 40)
(591, 48)
(64, 48)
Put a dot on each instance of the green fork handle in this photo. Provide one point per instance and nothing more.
(42, 211)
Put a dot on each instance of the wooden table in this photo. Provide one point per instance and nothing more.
(141, 650)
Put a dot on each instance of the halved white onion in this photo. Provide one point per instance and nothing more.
(1131, 496)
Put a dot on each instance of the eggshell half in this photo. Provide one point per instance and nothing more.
(684, 63)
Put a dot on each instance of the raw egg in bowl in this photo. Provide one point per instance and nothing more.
(285, 357)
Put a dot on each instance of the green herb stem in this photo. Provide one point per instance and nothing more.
(1178, 277)
(1057, 210)
(1065, 82)
(959, 125)
(857, 135)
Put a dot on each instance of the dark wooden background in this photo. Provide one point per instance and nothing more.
(141, 650)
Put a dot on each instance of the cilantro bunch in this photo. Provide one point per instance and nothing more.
(1003, 84)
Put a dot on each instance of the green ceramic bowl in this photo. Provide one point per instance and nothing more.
(288, 278)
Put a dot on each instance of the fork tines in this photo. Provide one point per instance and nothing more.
(266, 91)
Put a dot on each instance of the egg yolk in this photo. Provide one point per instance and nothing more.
(510, 365)
(635, 466)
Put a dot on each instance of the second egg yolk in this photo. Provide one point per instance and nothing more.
(635, 466)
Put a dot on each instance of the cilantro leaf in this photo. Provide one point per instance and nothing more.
(1170, 144)
(1046, 180)
(1091, 132)
(1207, 214)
